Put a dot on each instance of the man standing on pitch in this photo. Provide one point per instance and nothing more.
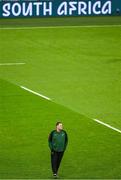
(58, 140)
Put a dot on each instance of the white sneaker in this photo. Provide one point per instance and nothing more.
(55, 176)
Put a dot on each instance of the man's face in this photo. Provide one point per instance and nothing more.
(60, 126)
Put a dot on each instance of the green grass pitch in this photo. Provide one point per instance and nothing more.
(79, 69)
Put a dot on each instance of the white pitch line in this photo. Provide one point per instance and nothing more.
(27, 89)
(52, 27)
(11, 64)
(107, 125)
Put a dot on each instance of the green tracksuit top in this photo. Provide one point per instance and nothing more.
(58, 141)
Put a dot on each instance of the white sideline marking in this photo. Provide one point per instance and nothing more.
(11, 64)
(107, 125)
(45, 97)
(50, 27)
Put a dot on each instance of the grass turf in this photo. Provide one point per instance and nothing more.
(79, 69)
(82, 70)
(60, 21)
(26, 120)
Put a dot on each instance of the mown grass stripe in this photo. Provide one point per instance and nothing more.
(45, 97)
(51, 27)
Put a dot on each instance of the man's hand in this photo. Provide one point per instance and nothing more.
(52, 152)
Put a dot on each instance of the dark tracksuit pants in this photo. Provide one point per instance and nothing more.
(56, 158)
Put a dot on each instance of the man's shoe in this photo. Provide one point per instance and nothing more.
(55, 176)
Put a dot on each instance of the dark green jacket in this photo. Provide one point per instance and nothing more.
(58, 141)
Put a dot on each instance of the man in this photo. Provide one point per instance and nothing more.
(58, 140)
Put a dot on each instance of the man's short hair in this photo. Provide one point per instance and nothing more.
(58, 123)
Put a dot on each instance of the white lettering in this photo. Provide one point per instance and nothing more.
(47, 10)
(37, 5)
(72, 7)
(6, 8)
(95, 6)
(62, 9)
(106, 9)
(69, 7)
(82, 8)
(27, 11)
(16, 9)
(89, 7)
